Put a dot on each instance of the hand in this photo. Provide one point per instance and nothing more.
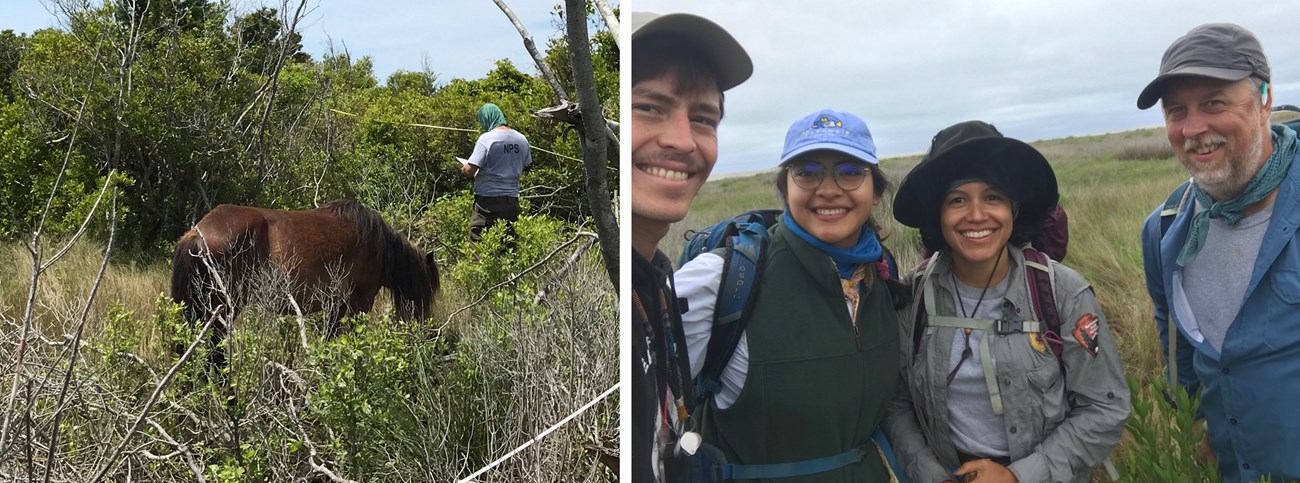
(469, 170)
(1204, 453)
(986, 471)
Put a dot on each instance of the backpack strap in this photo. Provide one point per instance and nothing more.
(1041, 280)
(792, 469)
(986, 361)
(1173, 205)
(743, 257)
(918, 327)
(877, 441)
(992, 326)
(1167, 214)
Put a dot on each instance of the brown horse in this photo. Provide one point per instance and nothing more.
(343, 246)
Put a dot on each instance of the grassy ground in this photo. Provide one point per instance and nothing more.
(1108, 183)
(425, 400)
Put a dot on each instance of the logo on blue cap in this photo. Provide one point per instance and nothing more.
(825, 122)
(832, 130)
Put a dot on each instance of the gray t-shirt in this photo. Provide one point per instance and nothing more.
(1215, 282)
(975, 429)
(500, 155)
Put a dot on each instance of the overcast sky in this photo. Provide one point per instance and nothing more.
(460, 38)
(1035, 69)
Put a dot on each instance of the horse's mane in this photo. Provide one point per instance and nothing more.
(402, 263)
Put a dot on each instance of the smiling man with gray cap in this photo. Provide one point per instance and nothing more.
(681, 64)
(1221, 254)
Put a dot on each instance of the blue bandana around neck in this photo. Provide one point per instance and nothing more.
(1233, 210)
(846, 261)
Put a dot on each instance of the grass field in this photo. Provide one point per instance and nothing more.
(1108, 183)
(495, 364)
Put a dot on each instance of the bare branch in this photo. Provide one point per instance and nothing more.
(35, 251)
(153, 398)
(76, 340)
(577, 254)
(594, 138)
(611, 21)
(532, 50)
(108, 180)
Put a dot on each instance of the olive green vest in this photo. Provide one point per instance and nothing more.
(810, 392)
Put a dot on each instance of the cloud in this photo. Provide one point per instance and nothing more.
(1037, 70)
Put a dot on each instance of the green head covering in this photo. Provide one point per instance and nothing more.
(490, 117)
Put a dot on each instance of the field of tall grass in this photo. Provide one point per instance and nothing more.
(514, 344)
(1108, 183)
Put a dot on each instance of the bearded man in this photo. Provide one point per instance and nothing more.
(1222, 256)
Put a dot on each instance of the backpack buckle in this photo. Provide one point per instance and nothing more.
(1008, 326)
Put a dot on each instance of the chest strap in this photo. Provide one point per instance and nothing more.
(989, 326)
(993, 326)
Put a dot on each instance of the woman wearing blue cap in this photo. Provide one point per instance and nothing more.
(1011, 371)
(817, 366)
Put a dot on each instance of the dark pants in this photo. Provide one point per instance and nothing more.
(488, 210)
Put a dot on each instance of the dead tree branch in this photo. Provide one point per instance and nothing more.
(532, 50)
(50, 456)
(112, 460)
(568, 264)
(611, 20)
(35, 251)
(594, 142)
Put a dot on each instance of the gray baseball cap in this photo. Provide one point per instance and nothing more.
(1218, 50)
(731, 62)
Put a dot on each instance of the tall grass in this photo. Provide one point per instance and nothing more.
(1108, 183)
(433, 400)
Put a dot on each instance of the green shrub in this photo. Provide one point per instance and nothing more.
(1165, 436)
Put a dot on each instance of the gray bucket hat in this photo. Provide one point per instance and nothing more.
(1221, 51)
(731, 62)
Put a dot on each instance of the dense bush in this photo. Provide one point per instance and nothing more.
(199, 113)
(1165, 436)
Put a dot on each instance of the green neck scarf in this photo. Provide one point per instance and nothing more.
(1233, 210)
(490, 117)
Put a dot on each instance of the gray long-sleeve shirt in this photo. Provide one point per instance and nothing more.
(1059, 427)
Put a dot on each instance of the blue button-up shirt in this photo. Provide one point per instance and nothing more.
(1251, 390)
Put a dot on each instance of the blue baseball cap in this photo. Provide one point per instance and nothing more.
(833, 130)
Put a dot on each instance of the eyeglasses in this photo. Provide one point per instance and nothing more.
(809, 175)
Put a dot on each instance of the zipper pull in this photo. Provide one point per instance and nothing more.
(857, 336)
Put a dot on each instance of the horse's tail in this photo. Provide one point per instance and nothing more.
(186, 267)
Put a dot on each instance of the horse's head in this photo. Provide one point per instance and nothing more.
(417, 286)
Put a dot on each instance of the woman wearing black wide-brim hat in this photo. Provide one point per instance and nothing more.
(1012, 372)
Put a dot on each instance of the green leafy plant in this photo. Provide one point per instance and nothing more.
(1165, 435)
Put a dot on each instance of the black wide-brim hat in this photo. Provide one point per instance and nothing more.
(975, 150)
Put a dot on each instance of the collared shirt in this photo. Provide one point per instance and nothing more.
(1059, 427)
(1250, 389)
